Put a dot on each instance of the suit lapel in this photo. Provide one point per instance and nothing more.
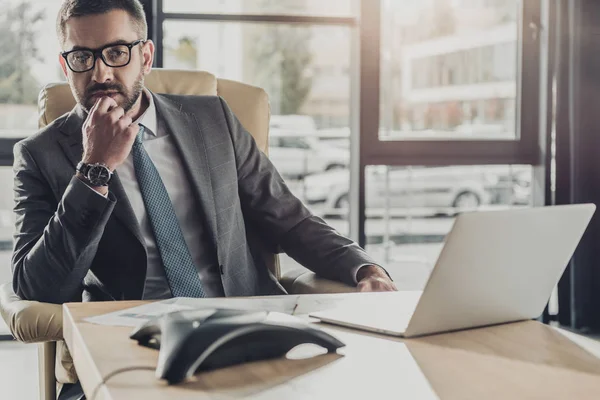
(73, 148)
(189, 139)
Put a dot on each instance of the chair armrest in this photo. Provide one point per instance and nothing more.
(30, 321)
(307, 282)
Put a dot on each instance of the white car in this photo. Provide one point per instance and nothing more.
(436, 190)
(292, 122)
(296, 156)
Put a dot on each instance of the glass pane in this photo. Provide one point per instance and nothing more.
(328, 8)
(29, 60)
(449, 69)
(308, 82)
(411, 209)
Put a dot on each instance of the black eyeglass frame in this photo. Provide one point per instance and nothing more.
(97, 53)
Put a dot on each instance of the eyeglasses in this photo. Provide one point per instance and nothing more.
(113, 55)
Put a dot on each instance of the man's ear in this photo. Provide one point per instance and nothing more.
(148, 55)
(63, 65)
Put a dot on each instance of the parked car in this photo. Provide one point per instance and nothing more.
(439, 190)
(296, 156)
(301, 123)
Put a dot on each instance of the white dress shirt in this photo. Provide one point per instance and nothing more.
(161, 148)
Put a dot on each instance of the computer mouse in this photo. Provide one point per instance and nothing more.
(200, 340)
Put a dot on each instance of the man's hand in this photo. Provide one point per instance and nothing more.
(374, 279)
(108, 134)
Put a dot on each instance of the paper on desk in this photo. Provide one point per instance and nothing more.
(306, 304)
(283, 304)
(136, 315)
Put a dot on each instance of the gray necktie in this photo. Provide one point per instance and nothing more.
(179, 267)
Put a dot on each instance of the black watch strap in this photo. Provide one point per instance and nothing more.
(83, 168)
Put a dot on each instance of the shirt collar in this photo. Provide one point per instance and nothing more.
(149, 118)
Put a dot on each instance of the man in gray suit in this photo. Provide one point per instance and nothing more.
(137, 195)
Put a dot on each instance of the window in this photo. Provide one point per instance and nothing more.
(442, 64)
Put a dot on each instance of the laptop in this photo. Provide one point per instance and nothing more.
(495, 267)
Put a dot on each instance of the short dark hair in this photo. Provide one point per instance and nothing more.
(80, 8)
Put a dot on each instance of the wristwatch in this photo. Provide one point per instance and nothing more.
(95, 174)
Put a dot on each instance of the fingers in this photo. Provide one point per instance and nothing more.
(92, 112)
(132, 131)
(106, 104)
(124, 122)
(125, 138)
(376, 285)
(116, 114)
(102, 106)
(363, 287)
(94, 107)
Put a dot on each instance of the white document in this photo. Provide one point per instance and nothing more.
(282, 304)
(137, 315)
(287, 304)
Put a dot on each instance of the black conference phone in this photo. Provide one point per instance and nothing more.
(192, 341)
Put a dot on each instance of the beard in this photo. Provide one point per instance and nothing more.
(131, 95)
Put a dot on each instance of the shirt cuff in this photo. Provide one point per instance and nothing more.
(95, 191)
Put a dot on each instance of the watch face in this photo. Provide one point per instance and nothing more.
(98, 175)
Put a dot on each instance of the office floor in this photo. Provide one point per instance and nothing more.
(18, 371)
(18, 361)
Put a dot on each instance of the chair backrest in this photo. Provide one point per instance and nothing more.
(249, 103)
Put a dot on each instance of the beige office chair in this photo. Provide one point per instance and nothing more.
(34, 322)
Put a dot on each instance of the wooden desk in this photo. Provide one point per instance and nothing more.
(515, 361)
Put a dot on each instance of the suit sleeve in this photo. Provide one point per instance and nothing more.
(268, 204)
(55, 243)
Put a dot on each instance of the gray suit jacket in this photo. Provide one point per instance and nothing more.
(72, 244)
